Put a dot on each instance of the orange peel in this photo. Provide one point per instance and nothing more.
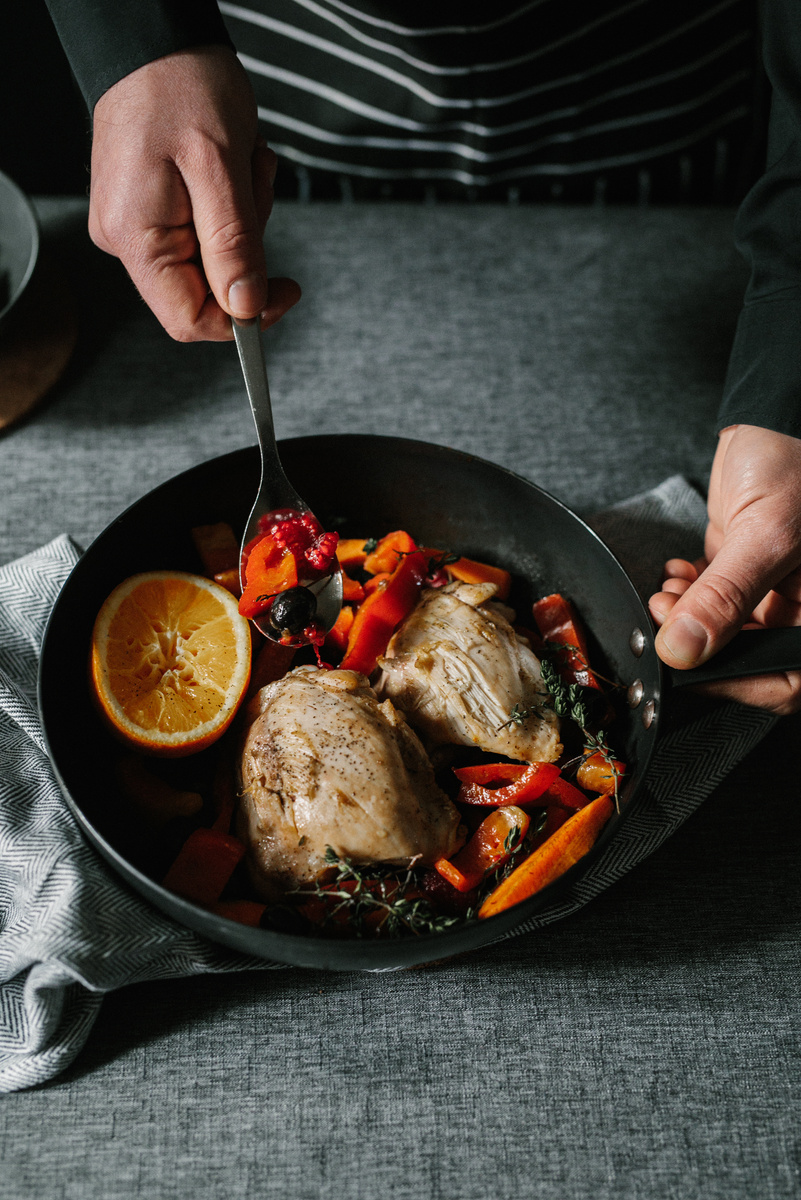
(170, 662)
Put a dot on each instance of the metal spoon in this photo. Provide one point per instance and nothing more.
(276, 493)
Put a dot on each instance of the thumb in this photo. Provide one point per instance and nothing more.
(229, 233)
(719, 602)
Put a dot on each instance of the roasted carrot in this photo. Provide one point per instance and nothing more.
(600, 773)
(224, 793)
(564, 848)
(337, 636)
(469, 571)
(389, 552)
(268, 571)
(351, 552)
(352, 590)
(217, 546)
(375, 582)
(154, 800)
(230, 580)
(205, 863)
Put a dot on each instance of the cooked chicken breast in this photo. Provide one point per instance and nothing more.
(457, 669)
(325, 764)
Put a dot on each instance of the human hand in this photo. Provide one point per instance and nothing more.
(751, 570)
(181, 190)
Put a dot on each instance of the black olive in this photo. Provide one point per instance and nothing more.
(293, 610)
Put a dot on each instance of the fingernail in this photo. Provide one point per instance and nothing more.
(247, 296)
(686, 639)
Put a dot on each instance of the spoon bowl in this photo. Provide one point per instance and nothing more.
(276, 495)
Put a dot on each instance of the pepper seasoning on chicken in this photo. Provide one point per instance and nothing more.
(457, 670)
(325, 764)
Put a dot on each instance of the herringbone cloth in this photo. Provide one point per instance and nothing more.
(70, 930)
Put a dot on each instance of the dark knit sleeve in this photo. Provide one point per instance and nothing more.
(107, 39)
(763, 385)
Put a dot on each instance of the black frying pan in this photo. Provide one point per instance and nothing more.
(362, 485)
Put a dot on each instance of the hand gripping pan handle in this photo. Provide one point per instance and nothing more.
(751, 652)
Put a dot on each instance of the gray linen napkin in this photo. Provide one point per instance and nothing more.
(71, 931)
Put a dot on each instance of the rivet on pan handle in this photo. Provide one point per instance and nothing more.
(637, 643)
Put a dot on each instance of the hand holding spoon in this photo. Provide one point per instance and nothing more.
(313, 604)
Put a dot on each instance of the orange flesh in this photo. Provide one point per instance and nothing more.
(168, 661)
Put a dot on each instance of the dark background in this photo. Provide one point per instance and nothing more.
(45, 135)
(44, 131)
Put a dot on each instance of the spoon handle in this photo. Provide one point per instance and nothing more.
(254, 370)
(275, 490)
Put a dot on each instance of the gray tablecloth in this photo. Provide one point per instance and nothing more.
(647, 1046)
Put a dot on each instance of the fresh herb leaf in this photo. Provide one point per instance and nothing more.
(518, 715)
(376, 903)
(566, 698)
(445, 559)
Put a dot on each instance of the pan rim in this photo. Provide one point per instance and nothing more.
(377, 953)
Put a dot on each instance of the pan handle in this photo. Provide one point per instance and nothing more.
(750, 652)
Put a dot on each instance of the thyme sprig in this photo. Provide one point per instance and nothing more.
(567, 701)
(566, 698)
(555, 649)
(519, 714)
(375, 900)
(445, 559)
(517, 848)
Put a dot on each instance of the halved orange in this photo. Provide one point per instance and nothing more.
(170, 661)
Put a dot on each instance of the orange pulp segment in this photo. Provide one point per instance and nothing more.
(170, 661)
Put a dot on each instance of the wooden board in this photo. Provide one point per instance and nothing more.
(36, 343)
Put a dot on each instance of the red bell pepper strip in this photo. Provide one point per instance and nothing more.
(389, 552)
(550, 860)
(565, 795)
(600, 773)
(557, 622)
(489, 847)
(205, 863)
(555, 817)
(527, 782)
(380, 614)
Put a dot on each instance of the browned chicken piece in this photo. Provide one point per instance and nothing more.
(457, 669)
(326, 764)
